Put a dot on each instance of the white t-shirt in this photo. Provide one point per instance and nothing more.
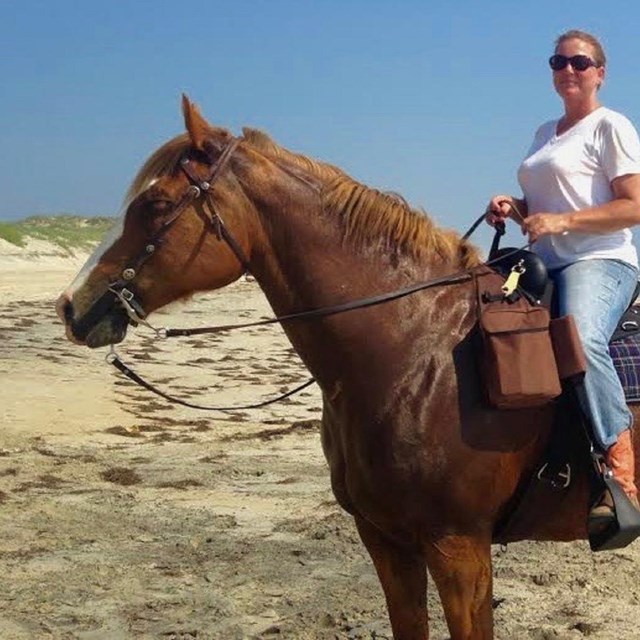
(573, 171)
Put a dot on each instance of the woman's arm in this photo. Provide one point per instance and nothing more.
(620, 213)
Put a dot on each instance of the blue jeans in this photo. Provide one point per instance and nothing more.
(597, 293)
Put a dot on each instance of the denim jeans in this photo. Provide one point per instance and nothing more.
(597, 293)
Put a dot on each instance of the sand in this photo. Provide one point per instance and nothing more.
(124, 517)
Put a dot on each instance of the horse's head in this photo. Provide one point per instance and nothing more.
(184, 229)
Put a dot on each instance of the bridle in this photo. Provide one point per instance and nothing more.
(122, 290)
(198, 186)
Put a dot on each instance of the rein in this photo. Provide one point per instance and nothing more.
(361, 303)
(113, 358)
(121, 291)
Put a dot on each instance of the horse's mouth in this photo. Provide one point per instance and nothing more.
(103, 323)
(110, 329)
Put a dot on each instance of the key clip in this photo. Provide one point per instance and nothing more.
(511, 283)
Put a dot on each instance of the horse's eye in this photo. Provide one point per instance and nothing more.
(159, 207)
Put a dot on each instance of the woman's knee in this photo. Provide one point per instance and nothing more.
(596, 347)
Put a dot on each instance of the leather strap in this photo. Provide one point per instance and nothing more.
(134, 377)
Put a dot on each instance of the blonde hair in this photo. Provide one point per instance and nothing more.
(575, 34)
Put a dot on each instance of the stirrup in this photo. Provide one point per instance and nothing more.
(604, 507)
(602, 514)
(624, 525)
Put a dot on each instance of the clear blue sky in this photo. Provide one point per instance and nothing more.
(435, 100)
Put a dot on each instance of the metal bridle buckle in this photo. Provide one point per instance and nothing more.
(126, 297)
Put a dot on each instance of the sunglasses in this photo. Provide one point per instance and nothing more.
(578, 63)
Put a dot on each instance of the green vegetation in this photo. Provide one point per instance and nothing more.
(66, 231)
(10, 232)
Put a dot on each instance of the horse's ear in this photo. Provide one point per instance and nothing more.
(198, 128)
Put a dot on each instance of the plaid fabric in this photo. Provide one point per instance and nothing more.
(626, 358)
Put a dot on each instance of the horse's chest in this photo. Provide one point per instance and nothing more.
(380, 467)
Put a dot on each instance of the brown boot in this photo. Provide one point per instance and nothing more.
(621, 460)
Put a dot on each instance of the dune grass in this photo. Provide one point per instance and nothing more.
(10, 232)
(66, 231)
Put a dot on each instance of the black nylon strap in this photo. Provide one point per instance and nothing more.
(495, 244)
(474, 226)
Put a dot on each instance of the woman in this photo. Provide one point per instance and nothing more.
(581, 186)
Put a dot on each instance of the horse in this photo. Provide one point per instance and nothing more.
(415, 455)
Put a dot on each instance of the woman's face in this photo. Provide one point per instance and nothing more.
(576, 85)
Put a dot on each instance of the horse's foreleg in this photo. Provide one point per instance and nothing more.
(403, 576)
(461, 568)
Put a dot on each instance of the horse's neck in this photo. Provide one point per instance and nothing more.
(303, 262)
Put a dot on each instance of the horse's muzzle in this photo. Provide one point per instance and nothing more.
(104, 323)
(112, 329)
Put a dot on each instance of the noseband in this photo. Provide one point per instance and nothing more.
(121, 291)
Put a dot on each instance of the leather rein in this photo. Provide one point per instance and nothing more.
(122, 291)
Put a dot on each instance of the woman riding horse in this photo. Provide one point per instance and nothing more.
(424, 466)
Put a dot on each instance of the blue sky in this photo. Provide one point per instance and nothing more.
(435, 100)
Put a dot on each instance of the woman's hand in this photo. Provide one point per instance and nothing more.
(545, 224)
(500, 208)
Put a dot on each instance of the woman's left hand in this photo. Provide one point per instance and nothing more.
(545, 224)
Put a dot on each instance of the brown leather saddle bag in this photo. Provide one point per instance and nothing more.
(518, 363)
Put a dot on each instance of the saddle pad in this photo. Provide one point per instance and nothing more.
(626, 359)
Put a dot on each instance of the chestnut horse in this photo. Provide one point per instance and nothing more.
(425, 468)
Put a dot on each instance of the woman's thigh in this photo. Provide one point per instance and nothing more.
(596, 293)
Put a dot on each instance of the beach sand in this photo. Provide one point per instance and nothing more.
(125, 517)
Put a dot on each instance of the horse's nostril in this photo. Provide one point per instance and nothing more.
(64, 309)
(67, 310)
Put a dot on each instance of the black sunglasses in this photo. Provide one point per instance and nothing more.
(559, 62)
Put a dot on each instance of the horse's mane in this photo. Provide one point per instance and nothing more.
(261, 142)
(371, 214)
(367, 214)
